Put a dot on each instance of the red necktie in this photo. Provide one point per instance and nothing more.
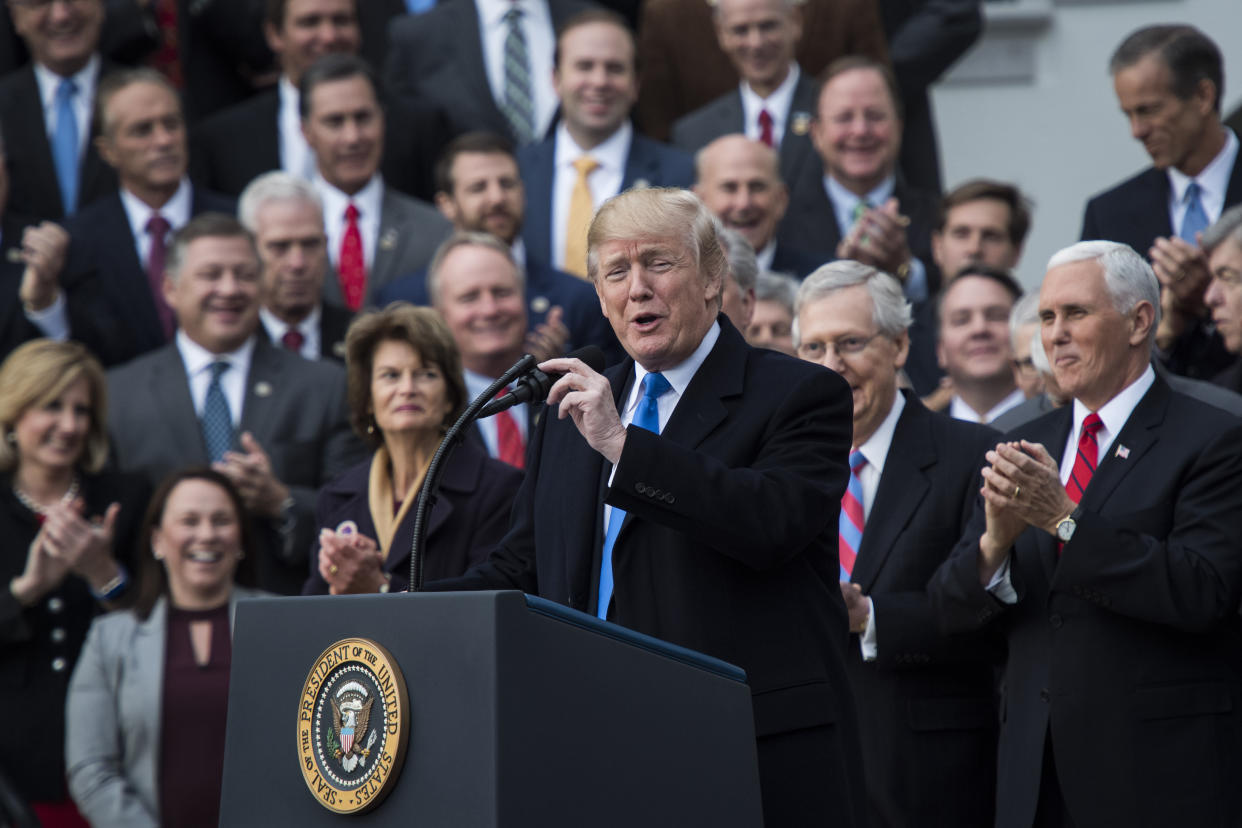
(1086, 459)
(293, 340)
(509, 438)
(167, 58)
(852, 520)
(765, 127)
(157, 228)
(352, 269)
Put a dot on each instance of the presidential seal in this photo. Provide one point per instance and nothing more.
(353, 726)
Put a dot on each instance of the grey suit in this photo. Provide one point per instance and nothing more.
(724, 116)
(113, 717)
(410, 231)
(295, 409)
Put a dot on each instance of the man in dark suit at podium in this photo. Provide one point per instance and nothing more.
(708, 521)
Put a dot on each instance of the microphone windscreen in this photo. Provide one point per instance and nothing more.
(592, 356)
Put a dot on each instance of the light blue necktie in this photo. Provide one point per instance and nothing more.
(65, 145)
(648, 417)
(217, 424)
(418, 6)
(1194, 220)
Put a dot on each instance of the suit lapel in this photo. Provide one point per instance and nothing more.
(388, 245)
(1233, 193)
(263, 390)
(133, 293)
(170, 391)
(35, 135)
(903, 486)
(470, 47)
(1136, 437)
(642, 165)
(1054, 437)
(796, 146)
(537, 174)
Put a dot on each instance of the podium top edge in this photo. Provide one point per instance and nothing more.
(692, 658)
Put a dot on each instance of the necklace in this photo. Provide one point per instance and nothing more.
(40, 511)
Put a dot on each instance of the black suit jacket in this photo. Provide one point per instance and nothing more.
(33, 187)
(926, 708)
(333, 325)
(14, 327)
(437, 56)
(111, 308)
(795, 262)
(469, 517)
(728, 547)
(414, 135)
(1123, 648)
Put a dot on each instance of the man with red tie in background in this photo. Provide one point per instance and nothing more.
(1105, 546)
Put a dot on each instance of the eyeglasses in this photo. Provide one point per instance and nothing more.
(846, 346)
(1026, 366)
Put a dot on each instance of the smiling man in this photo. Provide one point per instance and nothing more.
(1105, 549)
(973, 345)
(594, 152)
(274, 423)
(1168, 81)
(717, 469)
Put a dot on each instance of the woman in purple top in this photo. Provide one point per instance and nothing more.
(148, 700)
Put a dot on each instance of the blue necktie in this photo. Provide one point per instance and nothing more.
(1194, 220)
(65, 145)
(418, 6)
(648, 417)
(217, 424)
(850, 524)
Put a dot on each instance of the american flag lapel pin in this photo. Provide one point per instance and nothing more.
(1123, 452)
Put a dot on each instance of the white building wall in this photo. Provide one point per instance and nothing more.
(1059, 134)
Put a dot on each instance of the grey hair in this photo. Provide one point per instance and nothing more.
(468, 238)
(890, 311)
(777, 287)
(743, 266)
(1127, 275)
(274, 186)
(1025, 312)
(1039, 357)
(1227, 228)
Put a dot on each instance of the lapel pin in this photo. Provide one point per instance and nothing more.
(13, 255)
(640, 184)
(347, 527)
(388, 241)
(338, 349)
(1123, 452)
(540, 304)
(800, 123)
(262, 389)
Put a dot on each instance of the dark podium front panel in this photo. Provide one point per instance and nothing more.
(521, 713)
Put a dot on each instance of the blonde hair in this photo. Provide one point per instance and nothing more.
(39, 372)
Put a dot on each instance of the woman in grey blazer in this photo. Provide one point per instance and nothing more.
(146, 705)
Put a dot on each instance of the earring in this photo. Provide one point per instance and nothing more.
(155, 553)
(10, 437)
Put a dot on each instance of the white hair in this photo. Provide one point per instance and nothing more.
(274, 186)
(1127, 275)
(890, 311)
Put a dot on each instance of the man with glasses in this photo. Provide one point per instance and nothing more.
(913, 478)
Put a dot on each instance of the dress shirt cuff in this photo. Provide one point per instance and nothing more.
(916, 281)
(53, 320)
(1001, 586)
(867, 641)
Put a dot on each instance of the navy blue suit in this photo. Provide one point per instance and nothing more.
(545, 286)
(649, 162)
(793, 261)
(111, 309)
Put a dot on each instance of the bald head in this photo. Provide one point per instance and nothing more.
(739, 180)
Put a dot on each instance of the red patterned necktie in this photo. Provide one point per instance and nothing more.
(157, 229)
(293, 340)
(850, 524)
(352, 268)
(1086, 459)
(765, 127)
(508, 438)
(167, 58)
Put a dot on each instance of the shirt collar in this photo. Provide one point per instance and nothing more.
(198, 359)
(611, 154)
(492, 12)
(1116, 411)
(778, 103)
(876, 447)
(678, 376)
(48, 80)
(367, 200)
(840, 195)
(288, 95)
(176, 211)
(277, 327)
(1214, 178)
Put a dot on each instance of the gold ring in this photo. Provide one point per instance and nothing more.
(1017, 490)
(333, 569)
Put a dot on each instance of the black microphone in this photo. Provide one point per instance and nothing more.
(533, 387)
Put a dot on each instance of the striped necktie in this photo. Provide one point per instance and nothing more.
(518, 106)
(850, 524)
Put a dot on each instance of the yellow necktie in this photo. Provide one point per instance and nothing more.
(581, 210)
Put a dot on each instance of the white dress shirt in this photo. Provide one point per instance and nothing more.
(1114, 414)
(777, 104)
(309, 328)
(844, 202)
(604, 182)
(198, 361)
(476, 384)
(296, 156)
(959, 410)
(176, 211)
(540, 43)
(368, 200)
(83, 102)
(1213, 182)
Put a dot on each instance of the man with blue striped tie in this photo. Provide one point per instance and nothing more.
(691, 493)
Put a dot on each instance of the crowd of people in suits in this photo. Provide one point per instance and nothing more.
(256, 258)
